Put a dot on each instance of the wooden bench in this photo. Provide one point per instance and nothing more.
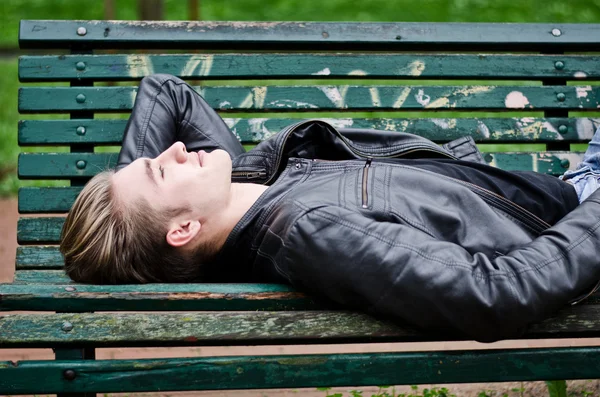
(499, 83)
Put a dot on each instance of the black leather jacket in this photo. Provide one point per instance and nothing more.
(437, 252)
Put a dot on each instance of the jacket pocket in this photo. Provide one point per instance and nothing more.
(365, 183)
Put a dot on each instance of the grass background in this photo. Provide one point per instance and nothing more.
(11, 11)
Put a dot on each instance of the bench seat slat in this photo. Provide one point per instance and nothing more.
(73, 297)
(313, 98)
(153, 297)
(326, 370)
(254, 130)
(307, 66)
(255, 328)
(38, 257)
(68, 165)
(308, 35)
(43, 276)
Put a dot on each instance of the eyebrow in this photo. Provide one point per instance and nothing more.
(150, 172)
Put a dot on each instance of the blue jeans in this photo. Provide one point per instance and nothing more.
(585, 178)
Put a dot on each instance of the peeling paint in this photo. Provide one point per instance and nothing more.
(415, 68)
(422, 99)
(289, 103)
(324, 72)
(444, 123)
(483, 129)
(516, 100)
(334, 95)
(141, 65)
(580, 75)
(582, 92)
(223, 104)
(375, 96)
(340, 123)
(439, 103)
(258, 96)
(204, 61)
(473, 90)
(401, 98)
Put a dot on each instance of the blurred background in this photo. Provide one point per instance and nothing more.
(11, 11)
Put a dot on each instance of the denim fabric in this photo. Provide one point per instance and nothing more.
(586, 177)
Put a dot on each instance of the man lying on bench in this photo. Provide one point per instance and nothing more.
(384, 222)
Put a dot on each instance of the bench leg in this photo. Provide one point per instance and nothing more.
(87, 353)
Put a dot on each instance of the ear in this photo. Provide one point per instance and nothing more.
(179, 234)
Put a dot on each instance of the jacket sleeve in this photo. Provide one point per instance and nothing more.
(168, 110)
(397, 272)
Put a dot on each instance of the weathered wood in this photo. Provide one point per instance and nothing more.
(65, 165)
(153, 297)
(252, 372)
(45, 276)
(308, 66)
(309, 35)
(47, 200)
(38, 257)
(254, 130)
(256, 328)
(312, 98)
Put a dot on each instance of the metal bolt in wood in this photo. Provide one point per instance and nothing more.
(70, 289)
(69, 374)
(80, 130)
(564, 163)
(80, 65)
(80, 98)
(81, 31)
(561, 97)
(563, 129)
(67, 326)
(556, 32)
(559, 65)
(81, 164)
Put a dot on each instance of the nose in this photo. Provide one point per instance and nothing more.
(176, 152)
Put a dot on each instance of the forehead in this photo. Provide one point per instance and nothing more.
(134, 180)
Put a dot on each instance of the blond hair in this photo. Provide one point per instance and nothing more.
(104, 241)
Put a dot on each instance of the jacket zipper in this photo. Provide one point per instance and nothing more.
(365, 180)
(249, 174)
(515, 210)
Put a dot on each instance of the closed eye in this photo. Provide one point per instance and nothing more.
(162, 171)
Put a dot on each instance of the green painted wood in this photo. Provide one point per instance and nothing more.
(44, 132)
(258, 372)
(47, 200)
(39, 230)
(309, 66)
(308, 35)
(41, 277)
(38, 257)
(153, 297)
(226, 328)
(64, 165)
(313, 98)
(248, 328)
(254, 130)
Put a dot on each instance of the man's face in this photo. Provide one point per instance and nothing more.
(177, 179)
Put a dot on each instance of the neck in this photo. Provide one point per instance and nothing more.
(243, 196)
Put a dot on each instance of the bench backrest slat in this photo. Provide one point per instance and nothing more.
(254, 130)
(341, 98)
(309, 66)
(309, 35)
